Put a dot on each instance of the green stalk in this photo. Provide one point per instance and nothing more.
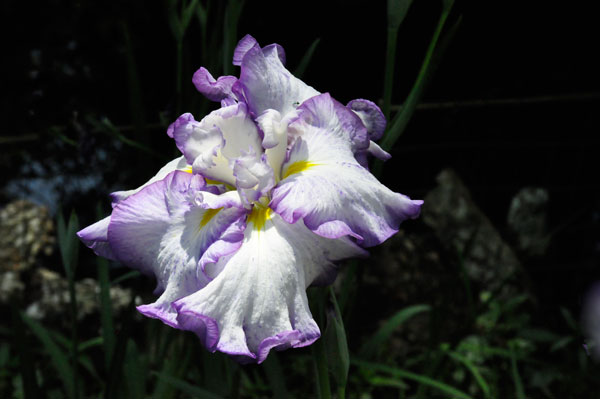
(390, 61)
(396, 12)
(320, 359)
(402, 117)
(318, 349)
(74, 345)
(179, 72)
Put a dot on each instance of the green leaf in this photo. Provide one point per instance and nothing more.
(396, 12)
(379, 381)
(421, 379)
(519, 392)
(538, 335)
(90, 343)
(59, 359)
(68, 243)
(376, 343)
(187, 15)
(569, 318)
(275, 376)
(186, 387)
(401, 120)
(561, 343)
(106, 317)
(233, 12)
(299, 71)
(485, 388)
(135, 372)
(126, 276)
(336, 344)
(105, 304)
(173, 20)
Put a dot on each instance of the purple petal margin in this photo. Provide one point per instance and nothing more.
(95, 237)
(214, 90)
(206, 328)
(371, 116)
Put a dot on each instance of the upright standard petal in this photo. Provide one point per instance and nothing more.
(265, 83)
(258, 301)
(325, 185)
(163, 231)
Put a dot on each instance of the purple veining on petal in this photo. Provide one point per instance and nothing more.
(324, 112)
(245, 44)
(274, 50)
(371, 116)
(214, 90)
(264, 82)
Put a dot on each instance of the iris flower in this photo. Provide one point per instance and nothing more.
(271, 191)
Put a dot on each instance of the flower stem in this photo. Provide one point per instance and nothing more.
(318, 349)
(320, 359)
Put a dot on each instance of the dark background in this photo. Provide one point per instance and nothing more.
(66, 60)
(514, 103)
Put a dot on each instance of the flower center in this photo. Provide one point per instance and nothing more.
(259, 215)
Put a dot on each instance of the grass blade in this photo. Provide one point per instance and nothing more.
(376, 343)
(421, 379)
(68, 243)
(561, 343)
(126, 276)
(25, 355)
(337, 345)
(301, 68)
(396, 12)
(116, 364)
(485, 388)
(186, 387)
(233, 11)
(106, 317)
(275, 376)
(69, 250)
(519, 392)
(135, 372)
(401, 120)
(59, 359)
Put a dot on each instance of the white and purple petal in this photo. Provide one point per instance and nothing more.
(213, 144)
(370, 115)
(325, 185)
(254, 177)
(265, 83)
(258, 301)
(162, 232)
(214, 90)
(95, 237)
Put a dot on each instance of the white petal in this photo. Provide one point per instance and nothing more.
(160, 231)
(324, 184)
(258, 301)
